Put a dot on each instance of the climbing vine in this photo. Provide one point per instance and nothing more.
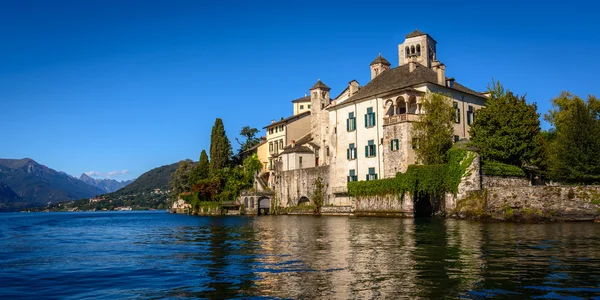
(419, 179)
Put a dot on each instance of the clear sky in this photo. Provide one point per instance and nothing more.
(108, 86)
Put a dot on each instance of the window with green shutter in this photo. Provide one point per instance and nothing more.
(351, 152)
(369, 118)
(370, 149)
(470, 115)
(351, 122)
(456, 113)
(352, 176)
(372, 175)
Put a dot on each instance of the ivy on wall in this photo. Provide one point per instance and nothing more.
(419, 179)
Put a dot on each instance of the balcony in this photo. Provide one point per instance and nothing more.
(400, 118)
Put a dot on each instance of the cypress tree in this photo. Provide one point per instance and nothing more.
(220, 147)
(201, 169)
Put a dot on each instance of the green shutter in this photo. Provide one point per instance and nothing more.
(374, 150)
(366, 121)
(375, 176)
(373, 116)
(366, 151)
(347, 124)
(348, 153)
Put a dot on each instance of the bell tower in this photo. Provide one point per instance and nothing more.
(418, 46)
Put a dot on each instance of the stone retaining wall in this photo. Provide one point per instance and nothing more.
(337, 210)
(384, 206)
(504, 181)
(561, 203)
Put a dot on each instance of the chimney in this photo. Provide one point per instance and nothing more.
(412, 64)
(272, 121)
(440, 69)
(293, 143)
(441, 74)
(353, 87)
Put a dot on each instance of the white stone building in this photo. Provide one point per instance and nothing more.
(365, 132)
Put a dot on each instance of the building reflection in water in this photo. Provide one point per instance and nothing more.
(320, 257)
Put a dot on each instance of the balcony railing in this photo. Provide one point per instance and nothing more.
(389, 120)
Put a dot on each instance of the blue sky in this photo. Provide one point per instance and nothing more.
(108, 86)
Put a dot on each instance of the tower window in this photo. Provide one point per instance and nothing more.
(407, 52)
(418, 50)
(412, 49)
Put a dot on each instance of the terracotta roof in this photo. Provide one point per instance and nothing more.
(288, 119)
(320, 85)
(415, 33)
(399, 78)
(303, 99)
(381, 60)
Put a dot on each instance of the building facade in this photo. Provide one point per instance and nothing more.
(365, 132)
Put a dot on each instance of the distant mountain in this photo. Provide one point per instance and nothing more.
(8, 198)
(107, 185)
(157, 178)
(36, 184)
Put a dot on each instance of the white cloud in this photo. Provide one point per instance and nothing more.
(106, 175)
(116, 173)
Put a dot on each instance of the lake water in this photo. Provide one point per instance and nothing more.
(158, 255)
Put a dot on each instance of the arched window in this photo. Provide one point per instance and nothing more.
(412, 49)
(400, 105)
(389, 108)
(418, 50)
(407, 52)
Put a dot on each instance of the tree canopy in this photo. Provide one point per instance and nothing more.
(507, 130)
(180, 179)
(201, 169)
(574, 142)
(434, 131)
(220, 147)
(250, 140)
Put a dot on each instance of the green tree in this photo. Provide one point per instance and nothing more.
(201, 169)
(180, 179)
(249, 140)
(574, 149)
(220, 147)
(434, 131)
(507, 130)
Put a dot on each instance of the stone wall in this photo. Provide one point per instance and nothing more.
(337, 210)
(561, 203)
(385, 206)
(504, 181)
(295, 184)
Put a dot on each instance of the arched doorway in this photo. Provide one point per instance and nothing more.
(423, 207)
(303, 201)
(264, 205)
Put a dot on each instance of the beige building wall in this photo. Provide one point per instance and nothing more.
(292, 161)
(297, 129)
(263, 155)
(300, 107)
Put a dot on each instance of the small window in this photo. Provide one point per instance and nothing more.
(394, 145)
(301, 106)
(372, 175)
(322, 105)
(456, 138)
(351, 122)
(281, 144)
(456, 113)
(370, 149)
(470, 115)
(308, 106)
(300, 162)
(351, 152)
(271, 146)
(352, 176)
(369, 118)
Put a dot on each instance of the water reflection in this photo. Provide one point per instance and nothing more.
(310, 257)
